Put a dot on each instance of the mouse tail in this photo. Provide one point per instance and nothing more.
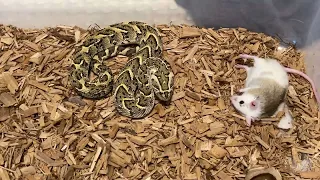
(247, 56)
(294, 71)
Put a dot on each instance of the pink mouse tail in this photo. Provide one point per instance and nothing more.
(247, 56)
(307, 78)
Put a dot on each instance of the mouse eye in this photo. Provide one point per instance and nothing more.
(241, 102)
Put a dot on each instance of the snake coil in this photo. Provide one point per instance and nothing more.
(146, 75)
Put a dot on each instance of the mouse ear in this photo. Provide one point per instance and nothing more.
(253, 104)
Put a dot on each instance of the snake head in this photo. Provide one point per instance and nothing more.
(164, 95)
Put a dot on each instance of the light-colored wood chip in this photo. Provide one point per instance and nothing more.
(4, 174)
(10, 81)
(7, 99)
(29, 170)
(310, 175)
(190, 32)
(7, 40)
(218, 152)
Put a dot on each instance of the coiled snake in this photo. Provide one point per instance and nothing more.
(146, 75)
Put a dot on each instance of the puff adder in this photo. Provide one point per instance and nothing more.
(146, 75)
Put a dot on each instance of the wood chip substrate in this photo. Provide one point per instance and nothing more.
(49, 132)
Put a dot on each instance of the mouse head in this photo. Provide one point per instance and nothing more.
(246, 103)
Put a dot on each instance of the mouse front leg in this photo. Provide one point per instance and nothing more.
(247, 56)
(250, 120)
(242, 67)
(251, 60)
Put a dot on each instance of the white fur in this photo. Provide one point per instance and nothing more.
(262, 68)
(269, 69)
(286, 120)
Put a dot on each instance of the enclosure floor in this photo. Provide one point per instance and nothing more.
(49, 132)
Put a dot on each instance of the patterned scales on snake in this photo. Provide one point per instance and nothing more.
(146, 75)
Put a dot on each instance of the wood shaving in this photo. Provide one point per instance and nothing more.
(49, 132)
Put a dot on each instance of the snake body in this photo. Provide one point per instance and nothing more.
(145, 76)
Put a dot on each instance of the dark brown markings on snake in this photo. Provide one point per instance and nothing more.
(114, 40)
(121, 93)
(130, 33)
(152, 41)
(78, 74)
(104, 78)
(89, 41)
(86, 61)
(96, 91)
(87, 58)
(144, 52)
(75, 81)
(93, 50)
(136, 23)
(93, 66)
(102, 55)
(164, 96)
(152, 30)
(107, 31)
(145, 101)
(134, 64)
(104, 43)
(115, 37)
(143, 77)
(145, 89)
(129, 103)
(142, 28)
(99, 69)
(89, 84)
(111, 49)
(78, 59)
(76, 84)
(77, 50)
(125, 78)
(139, 36)
(127, 49)
(155, 38)
(130, 49)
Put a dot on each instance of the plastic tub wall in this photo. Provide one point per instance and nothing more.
(296, 21)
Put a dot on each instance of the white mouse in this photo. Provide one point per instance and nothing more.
(264, 92)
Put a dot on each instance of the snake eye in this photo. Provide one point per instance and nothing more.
(241, 102)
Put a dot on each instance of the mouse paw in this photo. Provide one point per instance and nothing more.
(249, 120)
(247, 56)
(240, 66)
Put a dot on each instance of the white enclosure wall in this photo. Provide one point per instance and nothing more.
(296, 21)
